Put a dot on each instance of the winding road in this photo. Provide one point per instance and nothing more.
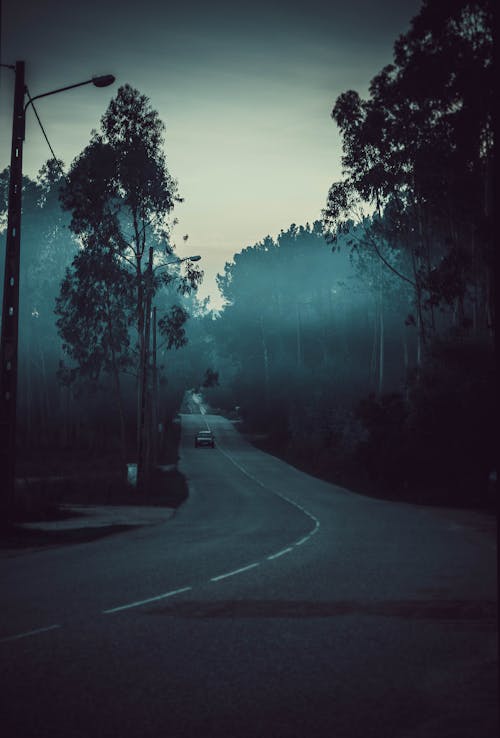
(272, 605)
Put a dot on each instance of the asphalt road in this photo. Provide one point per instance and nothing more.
(271, 605)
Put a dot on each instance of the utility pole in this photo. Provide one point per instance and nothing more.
(10, 310)
(154, 397)
(143, 457)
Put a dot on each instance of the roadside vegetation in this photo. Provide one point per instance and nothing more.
(103, 299)
(359, 347)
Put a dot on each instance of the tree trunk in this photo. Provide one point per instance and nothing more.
(119, 402)
(406, 362)
(490, 304)
(44, 398)
(381, 359)
(29, 398)
(422, 339)
(265, 356)
(140, 336)
(299, 337)
(373, 360)
(63, 415)
(143, 456)
(154, 398)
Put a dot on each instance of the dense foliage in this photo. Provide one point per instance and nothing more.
(120, 194)
(420, 151)
(359, 347)
(373, 364)
(91, 282)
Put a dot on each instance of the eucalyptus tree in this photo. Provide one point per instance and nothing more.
(422, 145)
(291, 325)
(121, 195)
(95, 309)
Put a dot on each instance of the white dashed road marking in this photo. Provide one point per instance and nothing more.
(146, 602)
(28, 633)
(236, 571)
(218, 578)
(280, 553)
(283, 497)
(242, 569)
(302, 540)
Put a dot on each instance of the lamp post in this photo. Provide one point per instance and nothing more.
(154, 425)
(10, 310)
(147, 423)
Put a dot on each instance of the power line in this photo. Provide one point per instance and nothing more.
(45, 134)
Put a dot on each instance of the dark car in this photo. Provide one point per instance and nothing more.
(204, 438)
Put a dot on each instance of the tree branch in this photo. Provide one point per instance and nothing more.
(388, 265)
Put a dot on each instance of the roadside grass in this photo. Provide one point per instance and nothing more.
(15, 537)
(48, 498)
(350, 475)
(48, 483)
(51, 500)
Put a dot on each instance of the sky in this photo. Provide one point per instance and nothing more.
(245, 91)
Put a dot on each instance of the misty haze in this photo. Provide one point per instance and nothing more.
(248, 470)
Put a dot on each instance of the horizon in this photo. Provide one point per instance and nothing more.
(246, 101)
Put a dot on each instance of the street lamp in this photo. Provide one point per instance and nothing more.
(147, 415)
(10, 311)
(103, 81)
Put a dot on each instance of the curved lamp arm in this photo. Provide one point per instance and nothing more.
(102, 81)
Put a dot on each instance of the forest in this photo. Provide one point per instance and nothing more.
(359, 347)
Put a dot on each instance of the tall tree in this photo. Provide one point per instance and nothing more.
(120, 194)
(95, 308)
(421, 146)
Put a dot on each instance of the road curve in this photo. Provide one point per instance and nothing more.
(272, 604)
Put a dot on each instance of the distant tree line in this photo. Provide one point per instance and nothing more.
(374, 364)
(359, 346)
